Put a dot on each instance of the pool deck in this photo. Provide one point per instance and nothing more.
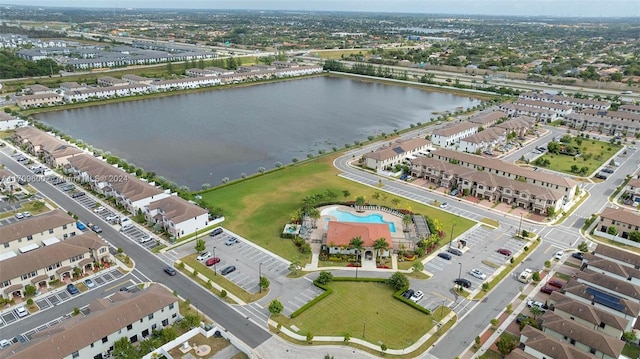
(367, 210)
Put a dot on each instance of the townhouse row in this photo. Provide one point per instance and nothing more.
(589, 315)
(175, 215)
(131, 85)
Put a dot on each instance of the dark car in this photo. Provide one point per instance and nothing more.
(444, 255)
(212, 261)
(72, 289)
(521, 317)
(170, 271)
(504, 252)
(455, 251)
(607, 170)
(408, 293)
(548, 289)
(95, 228)
(463, 282)
(77, 194)
(601, 176)
(215, 232)
(577, 255)
(227, 270)
(124, 289)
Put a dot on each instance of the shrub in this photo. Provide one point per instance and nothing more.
(223, 293)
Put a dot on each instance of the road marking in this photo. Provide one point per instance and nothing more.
(119, 285)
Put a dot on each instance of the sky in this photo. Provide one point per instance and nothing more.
(562, 8)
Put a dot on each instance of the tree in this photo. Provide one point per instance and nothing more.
(296, 266)
(380, 245)
(383, 347)
(398, 281)
(633, 236)
(357, 243)
(264, 282)
(325, 277)
(200, 245)
(407, 220)
(535, 311)
(309, 337)
(29, 290)
(630, 337)
(275, 307)
(314, 214)
(360, 201)
(536, 276)
(505, 345)
(122, 348)
(346, 194)
(612, 230)
(584, 246)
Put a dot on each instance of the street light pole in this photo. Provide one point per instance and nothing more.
(214, 261)
(451, 239)
(519, 226)
(460, 273)
(364, 327)
(260, 278)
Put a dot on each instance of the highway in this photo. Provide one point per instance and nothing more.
(149, 267)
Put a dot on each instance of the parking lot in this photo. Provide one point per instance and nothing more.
(133, 232)
(50, 300)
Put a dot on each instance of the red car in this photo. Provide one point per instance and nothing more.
(555, 282)
(504, 252)
(548, 289)
(212, 261)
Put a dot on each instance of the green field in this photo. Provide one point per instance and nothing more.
(258, 208)
(384, 319)
(593, 154)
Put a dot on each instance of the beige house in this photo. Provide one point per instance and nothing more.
(395, 153)
(50, 149)
(541, 345)
(42, 100)
(177, 216)
(488, 119)
(588, 315)
(623, 221)
(591, 341)
(611, 269)
(53, 261)
(31, 232)
(617, 255)
(622, 307)
(123, 315)
(632, 189)
(450, 136)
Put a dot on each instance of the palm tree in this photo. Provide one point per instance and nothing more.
(11, 198)
(407, 220)
(380, 245)
(314, 214)
(357, 244)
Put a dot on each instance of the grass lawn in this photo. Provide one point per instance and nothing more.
(383, 318)
(593, 154)
(631, 351)
(258, 207)
(337, 54)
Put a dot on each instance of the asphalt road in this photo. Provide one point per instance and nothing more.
(149, 266)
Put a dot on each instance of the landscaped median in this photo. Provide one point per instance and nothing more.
(363, 310)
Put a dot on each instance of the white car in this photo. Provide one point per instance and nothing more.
(26, 214)
(559, 255)
(4, 343)
(111, 218)
(478, 274)
(19, 215)
(144, 239)
(416, 296)
(98, 209)
(539, 305)
(21, 311)
(203, 256)
(444, 205)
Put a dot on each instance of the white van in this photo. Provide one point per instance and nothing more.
(126, 222)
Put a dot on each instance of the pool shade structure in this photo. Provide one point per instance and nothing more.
(291, 230)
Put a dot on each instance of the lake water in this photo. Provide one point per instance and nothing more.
(204, 137)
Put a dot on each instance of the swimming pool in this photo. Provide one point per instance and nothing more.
(343, 216)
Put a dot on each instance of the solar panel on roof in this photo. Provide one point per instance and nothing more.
(606, 299)
(398, 150)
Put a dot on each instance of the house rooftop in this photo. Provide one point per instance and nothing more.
(397, 148)
(455, 128)
(621, 215)
(550, 346)
(177, 209)
(609, 252)
(341, 233)
(586, 312)
(36, 224)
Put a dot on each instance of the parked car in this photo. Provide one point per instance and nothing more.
(89, 283)
(26, 214)
(600, 176)
(77, 194)
(21, 311)
(607, 170)
(72, 289)
(504, 252)
(555, 282)
(231, 241)
(539, 305)
(144, 239)
(408, 293)
(215, 232)
(454, 192)
(99, 209)
(211, 261)
(577, 255)
(478, 274)
(463, 282)
(123, 289)
(455, 251)
(203, 256)
(444, 205)
(227, 270)
(4, 343)
(521, 317)
(559, 255)
(548, 289)
(111, 218)
(416, 296)
(444, 255)
(96, 228)
(170, 271)
(80, 226)
(19, 215)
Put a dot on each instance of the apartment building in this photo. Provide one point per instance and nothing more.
(71, 86)
(540, 114)
(483, 140)
(611, 268)
(540, 345)
(553, 182)
(135, 79)
(123, 315)
(42, 100)
(9, 122)
(630, 108)
(177, 216)
(99, 93)
(560, 110)
(488, 119)
(488, 186)
(109, 81)
(386, 157)
(609, 126)
(30, 233)
(520, 125)
(52, 150)
(128, 190)
(632, 189)
(578, 103)
(622, 221)
(450, 135)
(55, 260)
(588, 315)
(601, 299)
